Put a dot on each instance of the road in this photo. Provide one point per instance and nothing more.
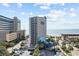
(26, 52)
(16, 46)
(42, 52)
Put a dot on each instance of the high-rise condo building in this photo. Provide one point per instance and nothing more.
(37, 29)
(8, 25)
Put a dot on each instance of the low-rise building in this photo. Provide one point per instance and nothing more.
(11, 36)
(70, 36)
(15, 35)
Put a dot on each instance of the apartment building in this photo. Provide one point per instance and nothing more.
(37, 29)
(8, 25)
(15, 35)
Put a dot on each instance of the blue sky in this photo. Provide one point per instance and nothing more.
(59, 15)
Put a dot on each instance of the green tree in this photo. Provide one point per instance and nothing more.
(2, 43)
(70, 48)
(36, 51)
(11, 44)
(3, 51)
(22, 44)
(63, 47)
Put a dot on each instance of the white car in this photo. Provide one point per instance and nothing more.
(16, 54)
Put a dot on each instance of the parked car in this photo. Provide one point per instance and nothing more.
(16, 49)
(16, 54)
(31, 53)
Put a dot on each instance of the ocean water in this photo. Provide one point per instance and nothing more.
(62, 31)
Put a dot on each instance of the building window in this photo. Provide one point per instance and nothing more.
(42, 23)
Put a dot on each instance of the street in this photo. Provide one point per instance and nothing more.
(25, 52)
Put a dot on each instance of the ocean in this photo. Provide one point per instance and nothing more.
(57, 32)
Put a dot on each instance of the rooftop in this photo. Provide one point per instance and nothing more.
(70, 34)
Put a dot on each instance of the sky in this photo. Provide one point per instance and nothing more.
(59, 15)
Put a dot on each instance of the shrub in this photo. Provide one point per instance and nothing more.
(76, 45)
(36, 51)
(63, 47)
(70, 48)
(3, 51)
(22, 44)
(2, 43)
(7, 44)
(67, 51)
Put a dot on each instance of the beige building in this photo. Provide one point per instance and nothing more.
(70, 36)
(15, 35)
(11, 36)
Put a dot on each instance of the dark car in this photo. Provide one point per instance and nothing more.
(31, 53)
(30, 49)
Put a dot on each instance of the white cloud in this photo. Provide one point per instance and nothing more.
(11, 11)
(30, 13)
(43, 5)
(72, 14)
(57, 18)
(20, 5)
(56, 15)
(22, 13)
(46, 5)
(5, 4)
(41, 15)
(72, 9)
(62, 4)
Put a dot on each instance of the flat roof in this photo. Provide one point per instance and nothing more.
(70, 34)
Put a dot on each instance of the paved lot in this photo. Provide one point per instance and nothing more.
(75, 52)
